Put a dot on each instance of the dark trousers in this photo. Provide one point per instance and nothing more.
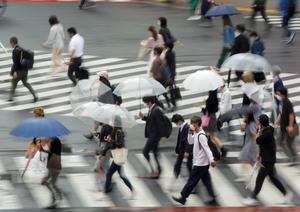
(21, 76)
(288, 145)
(73, 68)
(112, 169)
(204, 8)
(198, 173)
(152, 146)
(50, 182)
(286, 20)
(178, 163)
(262, 11)
(268, 169)
(224, 54)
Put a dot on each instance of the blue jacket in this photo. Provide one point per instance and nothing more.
(285, 5)
(228, 33)
(258, 47)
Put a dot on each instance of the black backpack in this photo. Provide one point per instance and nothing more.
(213, 148)
(166, 126)
(27, 58)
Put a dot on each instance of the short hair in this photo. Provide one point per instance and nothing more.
(53, 20)
(163, 21)
(13, 40)
(176, 118)
(253, 34)
(264, 120)
(72, 30)
(196, 120)
(241, 27)
(149, 99)
(157, 50)
(283, 91)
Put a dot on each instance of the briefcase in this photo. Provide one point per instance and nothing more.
(175, 92)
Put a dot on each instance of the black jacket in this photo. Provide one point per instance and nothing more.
(267, 145)
(167, 36)
(16, 57)
(171, 62)
(153, 128)
(183, 145)
(241, 45)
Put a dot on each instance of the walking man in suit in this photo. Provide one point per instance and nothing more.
(153, 132)
(183, 148)
(18, 72)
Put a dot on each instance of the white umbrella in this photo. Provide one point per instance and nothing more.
(111, 114)
(256, 93)
(203, 81)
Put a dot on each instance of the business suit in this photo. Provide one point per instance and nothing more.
(20, 72)
(182, 147)
(153, 133)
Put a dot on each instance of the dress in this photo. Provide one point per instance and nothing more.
(249, 150)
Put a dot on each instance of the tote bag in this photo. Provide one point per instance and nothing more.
(120, 155)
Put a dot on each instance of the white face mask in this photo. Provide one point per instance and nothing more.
(192, 128)
(158, 22)
(279, 98)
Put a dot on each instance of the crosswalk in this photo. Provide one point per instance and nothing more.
(78, 184)
(276, 20)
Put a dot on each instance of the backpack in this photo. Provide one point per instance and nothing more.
(213, 148)
(166, 129)
(27, 58)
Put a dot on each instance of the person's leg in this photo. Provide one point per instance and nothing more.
(206, 179)
(124, 178)
(156, 156)
(167, 99)
(274, 179)
(264, 15)
(112, 169)
(53, 179)
(177, 166)
(71, 71)
(14, 83)
(262, 173)
(173, 99)
(225, 52)
(147, 148)
(27, 85)
(291, 148)
(253, 15)
(192, 182)
(46, 182)
(286, 144)
(285, 26)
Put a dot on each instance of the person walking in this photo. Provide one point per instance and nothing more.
(54, 169)
(228, 40)
(183, 149)
(288, 126)
(18, 71)
(203, 159)
(164, 31)
(287, 10)
(55, 41)
(153, 133)
(277, 85)
(76, 46)
(267, 156)
(260, 6)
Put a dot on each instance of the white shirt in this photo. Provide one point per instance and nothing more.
(56, 37)
(202, 156)
(225, 101)
(77, 44)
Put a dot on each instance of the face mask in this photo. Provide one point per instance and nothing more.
(192, 128)
(236, 33)
(158, 22)
(279, 98)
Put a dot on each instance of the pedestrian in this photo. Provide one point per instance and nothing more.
(183, 148)
(152, 133)
(164, 31)
(288, 126)
(288, 10)
(210, 110)
(54, 169)
(116, 142)
(277, 85)
(228, 40)
(55, 41)
(203, 159)
(194, 10)
(267, 157)
(76, 46)
(260, 6)
(249, 150)
(18, 71)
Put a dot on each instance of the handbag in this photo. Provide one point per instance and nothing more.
(205, 119)
(175, 92)
(119, 155)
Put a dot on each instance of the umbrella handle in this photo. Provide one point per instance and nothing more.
(228, 78)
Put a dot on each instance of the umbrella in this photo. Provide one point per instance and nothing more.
(247, 62)
(39, 127)
(222, 10)
(111, 114)
(203, 81)
(256, 93)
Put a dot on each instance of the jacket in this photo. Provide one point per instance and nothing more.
(56, 37)
(258, 47)
(16, 57)
(183, 145)
(153, 128)
(167, 36)
(155, 68)
(241, 45)
(267, 145)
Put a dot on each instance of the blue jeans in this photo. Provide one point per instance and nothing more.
(286, 20)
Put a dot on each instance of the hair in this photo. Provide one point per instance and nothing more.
(283, 91)
(149, 99)
(250, 118)
(196, 120)
(72, 30)
(169, 45)
(176, 118)
(264, 120)
(157, 50)
(226, 21)
(212, 103)
(154, 32)
(163, 22)
(13, 40)
(104, 81)
(38, 112)
(253, 34)
(53, 20)
(241, 27)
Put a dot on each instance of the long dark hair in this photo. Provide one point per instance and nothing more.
(226, 21)
(154, 32)
(212, 103)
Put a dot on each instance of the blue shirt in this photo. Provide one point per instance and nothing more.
(258, 47)
(228, 33)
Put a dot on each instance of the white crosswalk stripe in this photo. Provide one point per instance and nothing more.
(81, 190)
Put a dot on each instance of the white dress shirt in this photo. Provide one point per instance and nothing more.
(202, 155)
(77, 44)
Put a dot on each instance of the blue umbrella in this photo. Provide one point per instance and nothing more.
(39, 127)
(222, 10)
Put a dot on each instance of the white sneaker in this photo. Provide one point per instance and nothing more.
(194, 18)
(287, 199)
(250, 202)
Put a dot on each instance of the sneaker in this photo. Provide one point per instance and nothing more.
(291, 38)
(180, 200)
(10, 100)
(250, 202)
(287, 199)
(194, 18)
(212, 202)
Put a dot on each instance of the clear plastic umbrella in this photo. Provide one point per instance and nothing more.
(257, 94)
(111, 114)
(203, 81)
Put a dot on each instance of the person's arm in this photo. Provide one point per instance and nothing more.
(202, 139)
(51, 38)
(16, 61)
